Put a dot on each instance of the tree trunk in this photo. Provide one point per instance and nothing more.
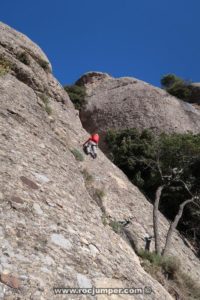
(173, 225)
(155, 218)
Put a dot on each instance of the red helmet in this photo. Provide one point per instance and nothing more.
(95, 138)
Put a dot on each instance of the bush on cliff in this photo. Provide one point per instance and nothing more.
(177, 87)
(77, 95)
(143, 157)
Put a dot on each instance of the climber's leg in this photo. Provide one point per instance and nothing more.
(93, 150)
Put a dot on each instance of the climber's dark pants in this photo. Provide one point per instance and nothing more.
(91, 148)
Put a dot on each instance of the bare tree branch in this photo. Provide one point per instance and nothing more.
(155, 218)
(174, 225)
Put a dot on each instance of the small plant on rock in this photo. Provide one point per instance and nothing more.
(48, 109)
(77, 95)
(87, 176)
(168, 265)
(104, 219)
(116, 226)
(77, 154)
(99, 193)
(4, 67)
(24, 58)
(45, 100)
(44, 64)
(167, 270)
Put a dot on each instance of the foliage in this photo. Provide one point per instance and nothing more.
(44, 64)
(24, 58)
(177, 87)
(138, 154)
(87, 176)
(4, 67)
(169, 265)
(99, 193)
(77, 154)
(48, 109)
(77, 95)
(45, 100)
(116, 226)
(170, 268)
(189, 287)
(104, 219)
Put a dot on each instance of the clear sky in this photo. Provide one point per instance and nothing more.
(140, 38)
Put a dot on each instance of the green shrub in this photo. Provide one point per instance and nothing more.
(168, 80)
(44, 64)
(116, 226)
(77, 95)
(99, 193)
(45, 100)
(4, 67)
(104, 219)
(158, 265)
(87, 176)
(154, 258)
(137, 153)
(24, 58)
(48, 109)
(168, 265)
(177, 87)
(77, 154)
(190, 288)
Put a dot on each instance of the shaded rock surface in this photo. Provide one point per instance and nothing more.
(51, 213)
(120, 103)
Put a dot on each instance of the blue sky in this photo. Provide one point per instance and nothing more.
(139, 38)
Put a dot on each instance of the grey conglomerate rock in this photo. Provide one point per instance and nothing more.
(121, 103)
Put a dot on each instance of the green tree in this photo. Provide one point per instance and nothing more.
(177, 87)
(165, 168)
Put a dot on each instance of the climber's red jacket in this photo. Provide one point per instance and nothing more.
(94, 138)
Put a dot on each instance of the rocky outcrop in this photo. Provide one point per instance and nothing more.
(53, 205)
(92, 78)
(128, 102)
(29, 64)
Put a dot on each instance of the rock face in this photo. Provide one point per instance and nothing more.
(127, 102)
(28, 63)
(53, 206)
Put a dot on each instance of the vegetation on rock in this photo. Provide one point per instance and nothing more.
(168, 161)
(4, 67)
(177, 87)
(168, 269)
(77, 154)
(77, 95)
(116, 226)
(87, 176)
(45, 100)
(24, 58)
(44, 64)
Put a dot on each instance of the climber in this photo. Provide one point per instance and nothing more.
(90, 146)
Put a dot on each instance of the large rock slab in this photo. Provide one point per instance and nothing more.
(121, 103)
